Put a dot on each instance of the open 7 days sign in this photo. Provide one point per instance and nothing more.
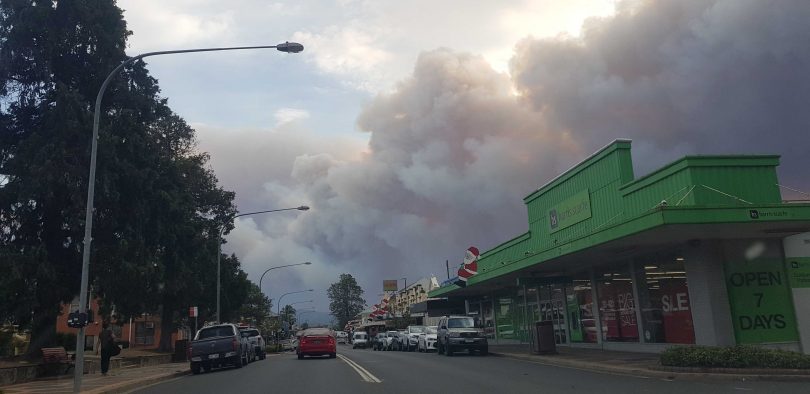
(761, 305)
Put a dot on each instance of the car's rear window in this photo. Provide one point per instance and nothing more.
(213, 332)
(360, 336)
(250, 333)
(317, 332)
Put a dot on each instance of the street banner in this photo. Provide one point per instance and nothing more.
(192, 311)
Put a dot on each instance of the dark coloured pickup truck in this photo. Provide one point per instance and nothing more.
(217, 346)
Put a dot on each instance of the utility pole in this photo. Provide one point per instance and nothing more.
(447, 266)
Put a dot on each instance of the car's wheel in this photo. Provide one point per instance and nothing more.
(195, 368)
(332, 355)
(484, 351)
(237, 361)
(207, 367)
(300, 356)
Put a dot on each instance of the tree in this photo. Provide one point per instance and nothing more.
(257, 306)
(158, 206)
(345, 299)
(288, 314)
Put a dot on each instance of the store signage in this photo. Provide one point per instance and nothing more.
(766, 214)
(760, 300)
(569, 212)
(390, 285)
(799, 272)
(676, 316)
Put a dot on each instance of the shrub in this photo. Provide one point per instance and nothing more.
(741, 356)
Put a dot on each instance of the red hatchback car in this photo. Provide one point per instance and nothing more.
(317, 342)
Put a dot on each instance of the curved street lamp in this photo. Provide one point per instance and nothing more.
(278, 307)
(289, 47)
(281, 266)
(219, 242)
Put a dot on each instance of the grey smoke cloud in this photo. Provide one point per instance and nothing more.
(452, 150)
(678, 77)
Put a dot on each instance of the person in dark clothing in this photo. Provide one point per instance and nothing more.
(106, 340)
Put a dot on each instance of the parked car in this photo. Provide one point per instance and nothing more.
(256, 342)
(378, 342)
(216, 346)
(317, 342)
(359, 339)
(412, 337)
(460, 332)
(342, 337)
(427, 340)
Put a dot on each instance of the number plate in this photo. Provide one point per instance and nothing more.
(469, 340)
(213, 356)
(316, 342)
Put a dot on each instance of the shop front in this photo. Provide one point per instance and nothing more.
(703, 251)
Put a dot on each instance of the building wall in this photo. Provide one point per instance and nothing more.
(707, 290)
(126, 332)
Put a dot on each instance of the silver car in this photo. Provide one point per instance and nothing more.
(427, 339)
(460, 333)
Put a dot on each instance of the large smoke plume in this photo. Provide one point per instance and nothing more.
(456, 146)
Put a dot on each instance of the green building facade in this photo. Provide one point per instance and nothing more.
(702, 251)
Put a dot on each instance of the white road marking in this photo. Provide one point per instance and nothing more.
(365, 374)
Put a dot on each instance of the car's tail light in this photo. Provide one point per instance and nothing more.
(331, 341)
(235, 345)
(304, 341)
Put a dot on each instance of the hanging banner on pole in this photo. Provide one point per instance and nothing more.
(192, 311)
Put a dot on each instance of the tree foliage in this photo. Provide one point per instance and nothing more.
(288, 314)
(158, 205)
(256, 307)
(345, 299)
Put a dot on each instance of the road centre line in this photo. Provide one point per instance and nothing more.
(365, 374)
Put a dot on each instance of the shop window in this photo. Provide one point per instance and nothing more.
(505, 310)
(617, 306)
(582, 324)
(664, 300)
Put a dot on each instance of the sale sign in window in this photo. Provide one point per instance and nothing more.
(761, 304)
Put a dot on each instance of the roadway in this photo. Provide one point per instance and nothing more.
(367, 371)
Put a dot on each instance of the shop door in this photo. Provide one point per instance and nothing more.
(552, 308)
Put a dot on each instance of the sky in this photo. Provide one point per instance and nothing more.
(414, 129)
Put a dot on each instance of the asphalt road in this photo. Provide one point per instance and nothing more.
(367, 371)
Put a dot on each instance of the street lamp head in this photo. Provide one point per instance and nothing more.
(290, 47)
(311, 290)
(303, 208)
(307, 263)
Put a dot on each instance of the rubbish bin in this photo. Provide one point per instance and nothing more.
(543, 333)
(180, 348)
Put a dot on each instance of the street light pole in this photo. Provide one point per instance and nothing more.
(278, 308)
(219, 244)
(289, 47)
(281, 266)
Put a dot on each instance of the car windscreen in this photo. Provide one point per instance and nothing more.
(430, 330)
(213, 332)
(360, 336)
(461, 323)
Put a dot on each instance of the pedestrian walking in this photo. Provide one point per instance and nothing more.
(106, 342)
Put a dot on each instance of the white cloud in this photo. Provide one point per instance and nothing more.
(286, 115)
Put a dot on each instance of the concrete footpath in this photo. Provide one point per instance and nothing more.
(642, 364)
(117, 381)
